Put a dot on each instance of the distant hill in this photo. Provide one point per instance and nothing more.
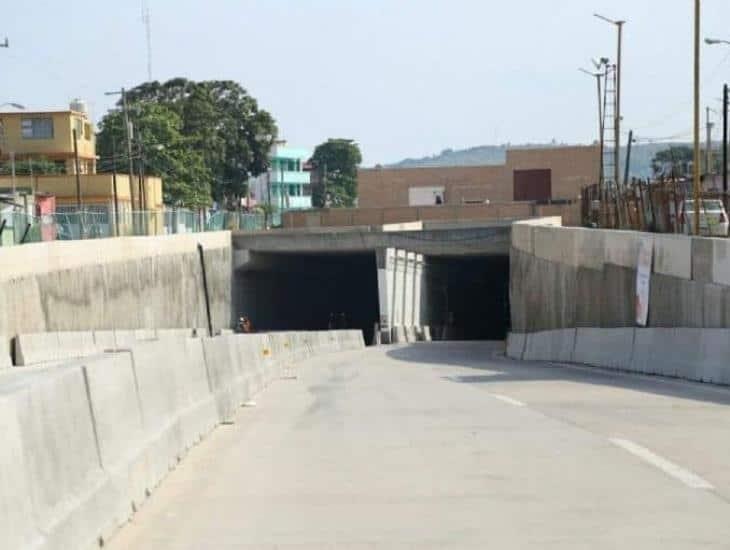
(641, 156)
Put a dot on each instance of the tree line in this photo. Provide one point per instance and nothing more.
(206, 139)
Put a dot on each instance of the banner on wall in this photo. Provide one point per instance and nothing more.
(643, 280)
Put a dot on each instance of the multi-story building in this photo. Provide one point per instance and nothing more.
(287, 184)
(28, 135)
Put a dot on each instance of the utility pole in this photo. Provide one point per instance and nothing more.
(12, 175)
(708, 150)
(114, 186)
(628, 156)
(129, 131)
(696, 171)
(77, 169)
(725, 92)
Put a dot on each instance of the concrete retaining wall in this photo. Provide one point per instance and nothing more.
(698, 355)
(84, 443)
(121, 283)
(572, 293)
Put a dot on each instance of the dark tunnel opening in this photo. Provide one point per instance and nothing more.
(469, 297)
(290, 291)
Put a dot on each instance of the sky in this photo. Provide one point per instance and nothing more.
(404, 78)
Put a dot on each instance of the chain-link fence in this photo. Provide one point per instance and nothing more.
(19, 228)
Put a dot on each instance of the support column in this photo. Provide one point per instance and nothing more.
(418, 289)
(385, 259)
(408, 297)
(399, 287)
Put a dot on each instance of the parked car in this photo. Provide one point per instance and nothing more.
(713, 218)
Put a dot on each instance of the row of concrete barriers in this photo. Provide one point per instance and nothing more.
(696, 354)
(45, 347)
(86, 441)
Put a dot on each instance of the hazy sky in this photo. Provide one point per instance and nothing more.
(402, 77)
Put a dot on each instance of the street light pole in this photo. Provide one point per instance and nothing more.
(696, 129)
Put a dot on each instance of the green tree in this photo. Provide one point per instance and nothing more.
(220, 126)
(336, 162)
(673, 161)
(166, 153)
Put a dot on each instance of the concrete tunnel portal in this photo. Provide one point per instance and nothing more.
(462, 297)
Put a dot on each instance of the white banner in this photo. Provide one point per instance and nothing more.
(643, 280)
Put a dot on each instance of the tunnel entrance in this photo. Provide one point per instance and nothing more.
(469, 297)
(300, 291)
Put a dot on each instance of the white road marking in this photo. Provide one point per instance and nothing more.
(690, 479)
(509, 400)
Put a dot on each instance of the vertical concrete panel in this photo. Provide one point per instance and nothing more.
(17, 528)
(399, 287)
(409, 291)
(418, 291)
(619, 297)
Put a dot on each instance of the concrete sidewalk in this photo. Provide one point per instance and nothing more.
(453, 446)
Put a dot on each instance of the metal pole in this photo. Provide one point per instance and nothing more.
(697, 161)
(725, 91)
(205, 289)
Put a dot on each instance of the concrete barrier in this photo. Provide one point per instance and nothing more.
(221, 374)
(155, 366)
(71, 495)
(84, 443)
(516, 345)
(6, 359)
(604, 347)
(550, 345)
(120, 431)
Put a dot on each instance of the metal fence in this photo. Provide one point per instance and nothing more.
(20, 228)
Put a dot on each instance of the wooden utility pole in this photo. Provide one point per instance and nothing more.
(697, 160)
(78, 172)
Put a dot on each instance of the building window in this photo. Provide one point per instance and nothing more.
(79, 125)
(87, 131)
(292, 190)
(37, 128)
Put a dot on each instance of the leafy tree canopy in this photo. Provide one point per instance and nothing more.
(336, 162)
(203, 138)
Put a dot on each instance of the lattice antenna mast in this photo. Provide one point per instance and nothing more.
(147, 21)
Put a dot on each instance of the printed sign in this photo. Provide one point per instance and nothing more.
(643, 280)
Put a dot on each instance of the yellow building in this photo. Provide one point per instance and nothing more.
(49, 135)
(29, 135)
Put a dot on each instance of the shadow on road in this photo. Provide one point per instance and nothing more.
(489, 358)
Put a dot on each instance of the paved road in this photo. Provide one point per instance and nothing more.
(453, 446)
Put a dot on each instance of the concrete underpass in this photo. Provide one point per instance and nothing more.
(457, 297)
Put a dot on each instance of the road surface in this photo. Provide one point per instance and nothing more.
(450, 445)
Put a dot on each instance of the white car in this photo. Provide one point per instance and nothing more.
(713, 218)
